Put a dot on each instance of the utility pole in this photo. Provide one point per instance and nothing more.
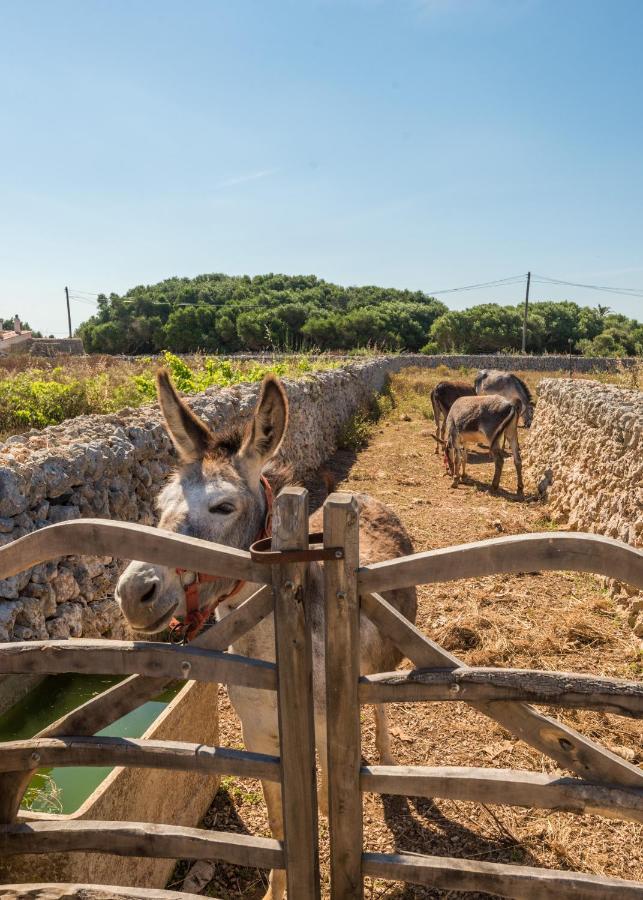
(524, 321)
(69, 311)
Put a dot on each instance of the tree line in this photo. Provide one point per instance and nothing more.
(219, 313)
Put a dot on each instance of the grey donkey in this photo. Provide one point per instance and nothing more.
(508, 386)
(217, 494)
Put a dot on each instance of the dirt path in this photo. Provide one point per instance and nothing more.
(549, 621)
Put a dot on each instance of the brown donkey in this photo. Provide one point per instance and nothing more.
(443, 396)
(482, 419)
(218, 494)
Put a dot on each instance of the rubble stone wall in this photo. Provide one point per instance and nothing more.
(113, 467)
(585, 452)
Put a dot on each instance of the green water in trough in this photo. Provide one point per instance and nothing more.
(63, 790)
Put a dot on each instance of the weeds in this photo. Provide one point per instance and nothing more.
(38, 397)
(43, 795)
(356, 432)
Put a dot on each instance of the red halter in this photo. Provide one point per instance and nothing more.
(183, 630)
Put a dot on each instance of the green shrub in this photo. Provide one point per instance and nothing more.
(36, 398)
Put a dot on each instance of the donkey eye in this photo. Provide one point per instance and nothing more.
(223, 509)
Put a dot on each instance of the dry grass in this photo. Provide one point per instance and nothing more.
(560, 621)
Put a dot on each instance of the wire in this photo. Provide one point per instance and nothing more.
(91, 303)
(513, 279)
(89, 293)
(626, 292)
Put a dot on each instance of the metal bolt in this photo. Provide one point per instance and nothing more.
(185, 667)
(289, 586)
(455, 688)
(340, 595)
(35, 757)
(339, 554)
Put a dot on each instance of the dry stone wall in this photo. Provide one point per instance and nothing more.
(113, 467)
(585, 452)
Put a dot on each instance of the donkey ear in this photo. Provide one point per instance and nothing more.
(266, 430)
(189, 434)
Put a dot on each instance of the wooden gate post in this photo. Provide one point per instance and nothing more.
(341, 529)
(295, 698)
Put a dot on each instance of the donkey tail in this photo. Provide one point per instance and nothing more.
(434, 405)
(512, 415)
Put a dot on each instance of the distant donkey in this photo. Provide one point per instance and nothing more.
(486, 420)
(221, 492)
(443, 396)
(509, 386)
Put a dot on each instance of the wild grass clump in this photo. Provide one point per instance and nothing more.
(48, 395)
(43, 795)
(356, 432)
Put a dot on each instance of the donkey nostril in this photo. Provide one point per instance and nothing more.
(149, 594)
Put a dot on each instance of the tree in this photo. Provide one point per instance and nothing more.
(191, 328)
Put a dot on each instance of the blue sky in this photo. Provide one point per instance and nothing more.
(409, 143)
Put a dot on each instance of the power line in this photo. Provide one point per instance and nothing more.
(513, 279)
(626, 292)
(89, 293)
(91, 303)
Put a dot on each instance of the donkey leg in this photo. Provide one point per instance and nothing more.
(272, 795)
(464, 462)
(438, 430)
(515, 447)
(455, 466)
(382, 735)
(499, 462)
(265, 739)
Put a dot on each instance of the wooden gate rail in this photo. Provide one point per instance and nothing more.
(104, 709)
(68, 891)
(485, 685)
(30, 755)
(156, 664)
(101, 537)
(562, 743)
(168, 661)
(541, 552)
(505, 787)
(520, 882)
(141, 839)
(611, 787)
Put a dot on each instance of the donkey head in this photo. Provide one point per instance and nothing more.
(216, 494)
(449, 453)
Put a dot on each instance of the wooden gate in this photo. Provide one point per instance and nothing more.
(606, 784)
(150, 667)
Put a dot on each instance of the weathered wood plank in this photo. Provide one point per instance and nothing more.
(520, 882)
(102, 537)
(106, 708)
(140, 839)
(509, 787)
(143, 657)
(101, 711)
(541, 552)
(570, 749)
(59, 891)
(341, 529)
(295, 698)
(29, 755)
(486, 684)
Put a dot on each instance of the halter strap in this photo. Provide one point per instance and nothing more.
(184, 629)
